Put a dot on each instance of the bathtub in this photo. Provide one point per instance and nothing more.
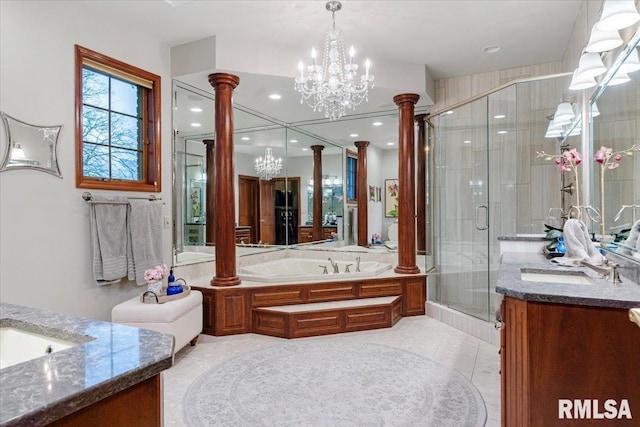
(303, 270)
(17, 346)
(184, 258)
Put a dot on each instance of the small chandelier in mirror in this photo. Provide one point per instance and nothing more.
(268, 166)
(333, 86)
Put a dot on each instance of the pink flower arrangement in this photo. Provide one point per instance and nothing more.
(156, 273)
(610, 160)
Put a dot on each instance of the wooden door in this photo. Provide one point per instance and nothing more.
(249, 204)
(267, 212)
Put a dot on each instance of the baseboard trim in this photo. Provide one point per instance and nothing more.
(480, 329)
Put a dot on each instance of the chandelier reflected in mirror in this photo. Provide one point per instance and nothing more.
(333, 86)
(268, 166)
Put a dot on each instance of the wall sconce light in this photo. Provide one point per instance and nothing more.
(631, 64)
(618, 14)
(581, 81)
(564, 114)
(602, 41)
(591, 65)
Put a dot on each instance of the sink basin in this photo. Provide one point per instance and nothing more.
(551, 276)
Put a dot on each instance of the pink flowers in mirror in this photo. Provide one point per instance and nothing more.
(610, 160)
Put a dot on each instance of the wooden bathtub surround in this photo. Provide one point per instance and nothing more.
(362, 194)
(223, 85)
(551, 351)
(317, 191)
(210, 160)
(406, 184)
(421, 179)
(247, 309)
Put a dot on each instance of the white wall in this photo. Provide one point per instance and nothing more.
(45, 253)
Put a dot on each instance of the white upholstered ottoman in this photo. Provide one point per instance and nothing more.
(181, 318)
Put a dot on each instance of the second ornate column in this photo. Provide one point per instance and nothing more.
(406, 186)
(223, 85)
(317, 191)
(210, 168)
(362, 193)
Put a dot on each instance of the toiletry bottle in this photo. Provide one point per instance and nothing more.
(560, 248)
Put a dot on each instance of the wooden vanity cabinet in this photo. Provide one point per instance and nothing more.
(305, 233)
(554, 351)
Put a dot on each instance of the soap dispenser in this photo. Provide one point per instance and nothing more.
(173, 288)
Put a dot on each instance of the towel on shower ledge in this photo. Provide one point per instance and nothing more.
(578, 244)
(145, 238)
(631, 246)
(109, 239)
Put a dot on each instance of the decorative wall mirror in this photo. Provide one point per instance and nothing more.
(30, 147)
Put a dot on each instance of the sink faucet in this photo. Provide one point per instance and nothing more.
(357, 264)
(335, 266)
(609, 269)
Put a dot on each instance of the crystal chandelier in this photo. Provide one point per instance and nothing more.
(268, 166)
(333, 86)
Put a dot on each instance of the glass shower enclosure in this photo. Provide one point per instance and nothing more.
(488, 183)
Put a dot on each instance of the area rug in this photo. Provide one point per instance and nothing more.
(332, 383)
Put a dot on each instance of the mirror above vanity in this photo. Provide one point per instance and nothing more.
(615, 141)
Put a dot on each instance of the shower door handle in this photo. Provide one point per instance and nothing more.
(486, 225)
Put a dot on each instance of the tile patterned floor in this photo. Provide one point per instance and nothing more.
(477, 360)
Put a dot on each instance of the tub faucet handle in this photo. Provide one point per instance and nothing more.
(346, 268)
(324, 267)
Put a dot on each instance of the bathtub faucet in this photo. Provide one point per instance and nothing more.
(335, 266)
(357, 264)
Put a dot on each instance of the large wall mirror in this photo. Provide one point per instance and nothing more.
(272, 212)
(615, 109)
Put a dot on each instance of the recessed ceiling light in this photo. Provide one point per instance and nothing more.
(499, 116)
(377, 123)
(245, 138)
(466, 142)
(305, 149)
(449, 112)
(353, 135)
(275, 96)
(196, 110)
(391, 143)
(492, 48)
(195, 125)
(293, 141)
(502, 132)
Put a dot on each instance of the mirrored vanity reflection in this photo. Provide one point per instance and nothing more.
(615, 110)
(274, 166)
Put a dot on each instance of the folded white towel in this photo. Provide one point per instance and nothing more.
(631, 246)
(578, 244)
(109, 239)
(145, 238)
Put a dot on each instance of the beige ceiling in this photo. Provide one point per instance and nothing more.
(446, 37)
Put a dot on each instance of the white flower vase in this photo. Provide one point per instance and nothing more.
(155, 287)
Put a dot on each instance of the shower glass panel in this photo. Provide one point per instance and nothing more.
(488, 183)
(462, 167)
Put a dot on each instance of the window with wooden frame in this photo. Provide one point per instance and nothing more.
(352, 177)
(117, 124)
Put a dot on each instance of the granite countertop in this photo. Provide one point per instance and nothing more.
(602, 293)
(108, 359)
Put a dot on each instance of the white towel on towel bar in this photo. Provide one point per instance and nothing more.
(145, 237)
(109, 239)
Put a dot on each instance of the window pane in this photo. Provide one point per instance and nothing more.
(124, 97)
(96, 160)
(95, 125)
(125, 131)
(125, 164)
(95, 88)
